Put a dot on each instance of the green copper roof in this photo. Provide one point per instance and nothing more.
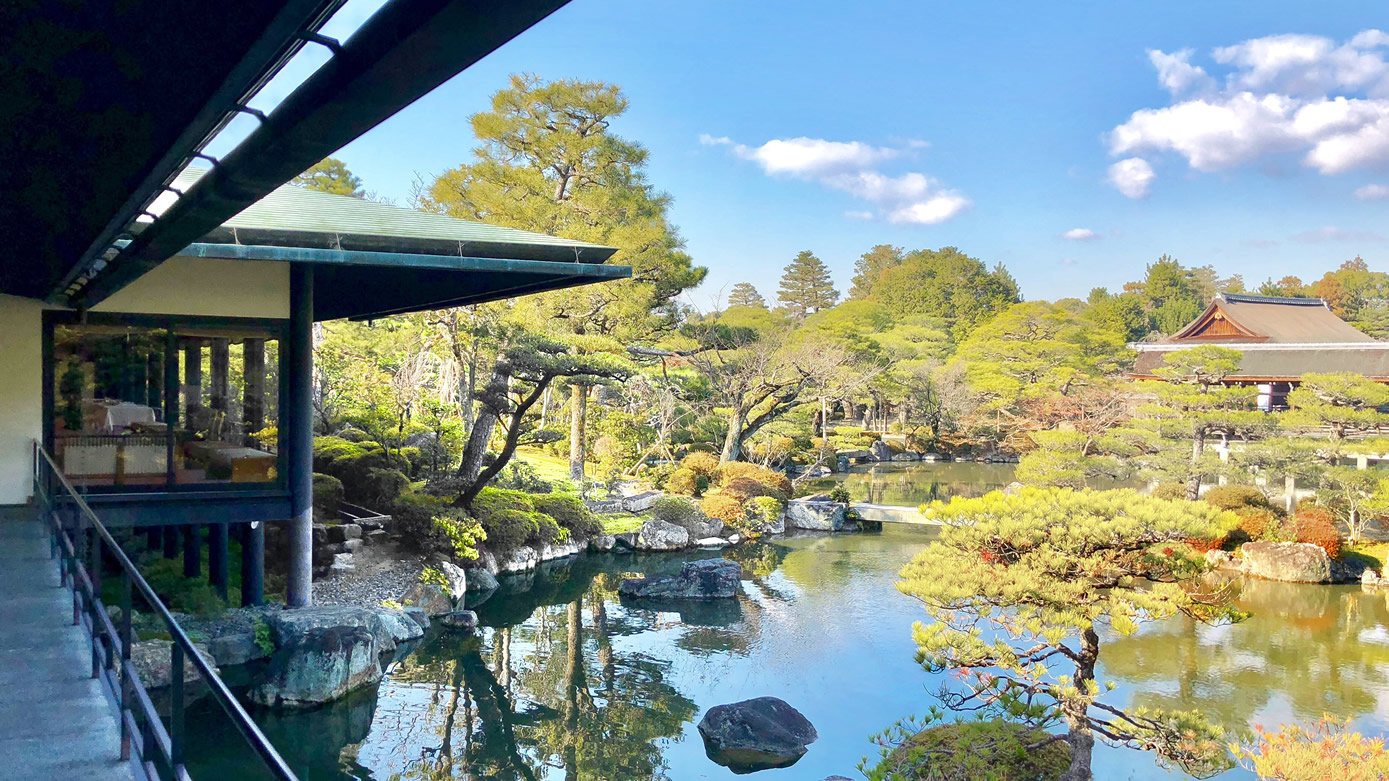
(298, 217)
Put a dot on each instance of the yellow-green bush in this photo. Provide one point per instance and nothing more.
(1233, 497)
(724, 507)
(684, 482)
(704, 464)
(767, 477)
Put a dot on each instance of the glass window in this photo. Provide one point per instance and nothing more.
(141, 407)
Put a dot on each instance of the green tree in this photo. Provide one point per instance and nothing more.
(1355, 495)
(1342, 403)
(1358, 295)
(1122, 313)
(1173, 295)
(806, 286)
(946, 283)
(547, 162)
(869, 268)
(744, 294)
(330, 175)
(1018, 588)
(1287, 287)
(1193, 404)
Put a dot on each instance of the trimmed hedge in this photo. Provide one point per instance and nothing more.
(725, 507)
(677, 510)
(769, 478)
(685, 482)
(570, 513)
(327, 494)
(1234, 497)
(1317, 525)
(704, 464)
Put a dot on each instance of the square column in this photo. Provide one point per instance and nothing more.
(296, 435)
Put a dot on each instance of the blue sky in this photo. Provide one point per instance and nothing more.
(989, 126)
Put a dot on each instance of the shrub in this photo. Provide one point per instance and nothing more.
(839, 493)
(767, 477)
(570, 513)
(684, 481)
(327, 494)
(746, 488)
(1169, 491)
(384, 486)
(759, 516)
(1233, 497)
(724, 507)
(547, 530)
(1258, 523)
(706, 464)
(1317, 525)
(461, 533)
(677, 510)
(1317, 750)
(519, 475)
(412, 517)
(992, 750)
(510, 520)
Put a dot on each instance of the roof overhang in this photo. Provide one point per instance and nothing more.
(363, 285)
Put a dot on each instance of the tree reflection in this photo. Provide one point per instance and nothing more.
(552, 696)
(1323, 649)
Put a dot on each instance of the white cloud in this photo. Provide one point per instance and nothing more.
(1372, 192)
(1080, 234)
(814, 156)
(1132, 177)
(708, 140)
(1176, 74)
(1282, 94)
(851, 166)
(1332, 233)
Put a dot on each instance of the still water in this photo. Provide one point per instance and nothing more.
(565, 682)
(912, 484)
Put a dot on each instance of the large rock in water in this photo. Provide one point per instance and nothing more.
(1294, 562)
(879, 451)
(817, 513)
(457, 578)
(322, 653)
(659, 535)
(756, 734)
(429, 597)
(705, 579)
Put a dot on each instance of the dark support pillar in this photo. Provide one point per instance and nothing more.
(253, 565)
(170, 380)
(217, 557)
(192, 551)
(298, 439)
(192, 380)
(154, 378)
(218, 388)
(253, 402)
(154, 537)
(170, 541)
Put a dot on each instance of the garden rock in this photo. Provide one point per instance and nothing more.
(344, 532)
(756, 734)
(816, 513)
(705, 527)
(523, 559)
(234, 649)
(640, 503)
(417, 615)
(320, 665)
(1293, 562)
(464, 620)
(457, 580)
(603, 543)
(377, 537)
(659, 535)
(879, 451)
(705, 579)
(481, 580)
(712, 542)
(153, 662)
(905, 457)
(432, 598)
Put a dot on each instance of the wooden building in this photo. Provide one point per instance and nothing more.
(1281, 339)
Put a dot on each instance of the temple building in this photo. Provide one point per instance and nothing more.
(1281, 339)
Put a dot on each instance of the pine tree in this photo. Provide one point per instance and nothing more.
(331, 175)
(869, 268)
(806, 286)
(744, 294)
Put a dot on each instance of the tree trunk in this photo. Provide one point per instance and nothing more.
(578, 413)
(545, 409)
(481, 432)
(733, 441)
(465, 399)
(1082, 740)
(1193, 482)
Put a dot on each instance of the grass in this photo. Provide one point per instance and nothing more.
(552, 468)
(622, 523)
(1375, 553)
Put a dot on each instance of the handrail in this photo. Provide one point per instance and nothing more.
(111, 652)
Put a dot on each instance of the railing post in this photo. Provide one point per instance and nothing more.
(176, 710)
(126, 695)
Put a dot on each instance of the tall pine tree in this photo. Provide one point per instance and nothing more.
(331, 175)
(744, 294)
(806, 286)
(869, 268)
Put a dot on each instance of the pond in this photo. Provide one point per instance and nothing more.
(911, 484)
(565, 682)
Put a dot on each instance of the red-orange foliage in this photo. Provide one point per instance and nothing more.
(1317, 525)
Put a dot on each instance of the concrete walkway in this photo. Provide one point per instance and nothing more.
(56, 722)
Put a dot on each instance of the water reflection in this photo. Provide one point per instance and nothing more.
(918, 483)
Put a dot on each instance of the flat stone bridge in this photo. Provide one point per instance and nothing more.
(891, 513)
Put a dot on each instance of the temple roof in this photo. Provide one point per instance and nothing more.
(1267, 319)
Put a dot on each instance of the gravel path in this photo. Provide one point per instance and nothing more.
(379, 573)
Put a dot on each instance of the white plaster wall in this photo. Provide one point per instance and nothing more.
(21, 394)
(206, 286)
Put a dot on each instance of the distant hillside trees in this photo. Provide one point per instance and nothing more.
(744, 294)
(945, 283)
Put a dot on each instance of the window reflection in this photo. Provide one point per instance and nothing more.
(143, 407)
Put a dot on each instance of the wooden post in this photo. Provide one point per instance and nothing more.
(253, 400)
(170, 541)
(192, 551)
(218, 388)
(253, 565)
(217, 557)
(192, 379)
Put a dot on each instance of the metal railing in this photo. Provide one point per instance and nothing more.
(83, 545)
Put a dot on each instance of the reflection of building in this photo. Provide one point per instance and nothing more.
(1281, 339)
